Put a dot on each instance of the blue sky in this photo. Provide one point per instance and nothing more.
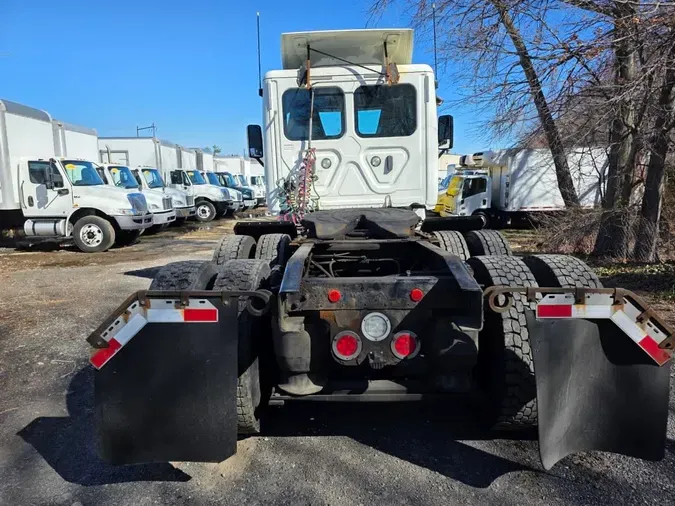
(188, 66)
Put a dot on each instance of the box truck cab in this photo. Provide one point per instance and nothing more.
(231, 182)
(364, 117)
(235, 202)
(258, 185)
(151, 179)
(159, 203)
(51, 198)
(211, 201)
(249, 193)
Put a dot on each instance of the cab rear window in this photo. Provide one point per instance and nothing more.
(385, 111)
(327, 113)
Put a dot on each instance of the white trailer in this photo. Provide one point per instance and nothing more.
(54, 198)
(501, 185)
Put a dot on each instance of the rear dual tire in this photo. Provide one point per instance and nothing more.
(252, 393)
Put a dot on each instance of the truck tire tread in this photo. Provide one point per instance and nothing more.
(487, 242)
(251, 395)
(562, 271)
(185, 275)
(505, 365)
(453, 242)
(233, 247)
(273, 248)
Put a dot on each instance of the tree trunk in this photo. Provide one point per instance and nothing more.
(614, 232)
(648, 230)
(555, 144)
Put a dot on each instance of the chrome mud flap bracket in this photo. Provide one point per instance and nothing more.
(166, 377)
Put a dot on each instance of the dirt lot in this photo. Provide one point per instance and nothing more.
(311, 454)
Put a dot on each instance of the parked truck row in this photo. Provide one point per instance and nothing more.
(60, 181)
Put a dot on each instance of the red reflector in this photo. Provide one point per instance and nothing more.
(404, 344)
(100, 358)
(334, 295)
(416, 294)
(200, 315)
(652, 348)
(347, 345)
(554, 311)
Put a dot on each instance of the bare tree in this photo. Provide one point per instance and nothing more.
(648, 230)
(508, 79)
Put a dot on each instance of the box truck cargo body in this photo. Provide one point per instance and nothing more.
(54, 197)
(75, 141)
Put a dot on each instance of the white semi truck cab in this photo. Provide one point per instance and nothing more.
(159, 203)
(53, 198)
(151, 179)
(363, 115)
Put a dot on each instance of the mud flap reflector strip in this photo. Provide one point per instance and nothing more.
(601, 306)
(137, 316)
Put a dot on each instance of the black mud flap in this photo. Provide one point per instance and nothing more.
(170, 393)
(596, 391)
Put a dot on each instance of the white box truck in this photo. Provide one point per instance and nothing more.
(234, 167)
(160, 204)
(55, 198)
(173, 161)
(501, 186)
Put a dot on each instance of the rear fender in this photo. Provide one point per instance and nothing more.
(166, 377)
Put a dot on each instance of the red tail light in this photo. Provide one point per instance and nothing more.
(404, 345)
(334, 295)
(346, 345)
(416, 294)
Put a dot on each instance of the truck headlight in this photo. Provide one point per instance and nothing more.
(154, 206)
(126, 212)
(375, 326)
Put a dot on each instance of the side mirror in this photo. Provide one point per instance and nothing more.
(255, 141)
(445, 131)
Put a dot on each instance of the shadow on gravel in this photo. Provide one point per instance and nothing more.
(423, 434)
(68, 444)
(148, 273)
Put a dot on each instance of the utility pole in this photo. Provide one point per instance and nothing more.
(151, 127)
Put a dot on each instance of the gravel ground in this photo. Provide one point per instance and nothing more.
(310, 454)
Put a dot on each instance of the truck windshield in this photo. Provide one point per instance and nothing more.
(82, 173)
(257, 180)
(153, 178)
(213, 179)
(242, 180)
(230, 182)
(122, 177)
(455, 185)
(196, 177)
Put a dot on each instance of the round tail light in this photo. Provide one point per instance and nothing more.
(347, 345)
(404, 345)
